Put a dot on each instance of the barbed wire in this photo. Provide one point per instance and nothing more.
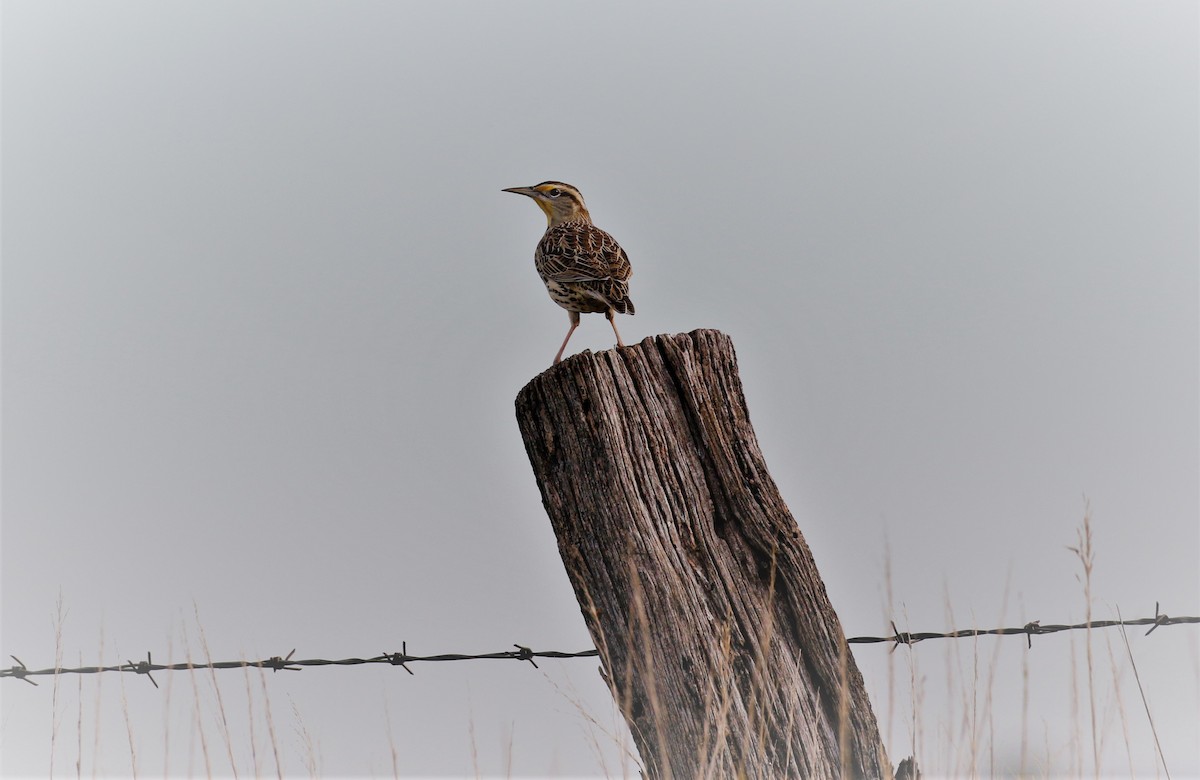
(288, 664)
(521, 653)
(1030, 629)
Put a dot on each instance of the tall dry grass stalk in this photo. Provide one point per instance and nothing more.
(1076, 744)
(387, 720)
(716, 732)
(594, 730)
(262, 678)
(1022, 769)
(1149, 716)
(97, 720)
(993, 665)
(508, 749)
(960, 743)
(133, 767)
(1120, 700)
(471, 735)
(60, 617)
(79, 728)
(197, 731)
(166, 712)
(623, 704)
(255, 761)
(311, 759)
(212, 672)
(916, 693)
(642, 627)
(1087, 559)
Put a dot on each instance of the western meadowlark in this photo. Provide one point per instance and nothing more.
(584, 268)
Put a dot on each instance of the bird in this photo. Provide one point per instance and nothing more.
(584, 268)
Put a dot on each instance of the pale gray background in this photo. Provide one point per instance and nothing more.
(266, 310)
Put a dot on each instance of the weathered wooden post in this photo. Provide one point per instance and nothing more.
(715, 632)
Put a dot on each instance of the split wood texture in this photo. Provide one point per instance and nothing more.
(716, 635)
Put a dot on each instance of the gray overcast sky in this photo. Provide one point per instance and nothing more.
(266, 310)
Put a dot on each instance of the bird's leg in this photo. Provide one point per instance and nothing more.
(609, 314)
(574, 315)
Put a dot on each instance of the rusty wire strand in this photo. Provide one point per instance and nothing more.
(521, 653)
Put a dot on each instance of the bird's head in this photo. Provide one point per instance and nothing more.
(561, 202)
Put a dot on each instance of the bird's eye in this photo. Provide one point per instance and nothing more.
(554, 193)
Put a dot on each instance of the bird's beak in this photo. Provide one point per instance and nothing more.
(527, 191)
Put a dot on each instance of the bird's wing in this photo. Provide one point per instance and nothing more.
(574, 253)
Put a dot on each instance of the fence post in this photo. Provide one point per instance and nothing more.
(715, 633)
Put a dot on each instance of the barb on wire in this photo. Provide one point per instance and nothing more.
(143, 667)
(19, 671)
(398, 659)
(275, 663)
(1159, 620)
(522, 653)
(1031, 628)
(525, 654)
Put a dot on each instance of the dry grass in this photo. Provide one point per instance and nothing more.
(262, 679)
(967, 739)
(1145, 703)
(598, 734)
(197, 730)
(226, 738)
(312, 761)
(60, 617)
(1022, 767)
(166, 716)
(961, 739)
(79, 729)
(471, 735)
(1087, 559)
(387, 719)
(256, 762)
(133, 764)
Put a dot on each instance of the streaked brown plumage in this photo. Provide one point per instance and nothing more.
(584, 268)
